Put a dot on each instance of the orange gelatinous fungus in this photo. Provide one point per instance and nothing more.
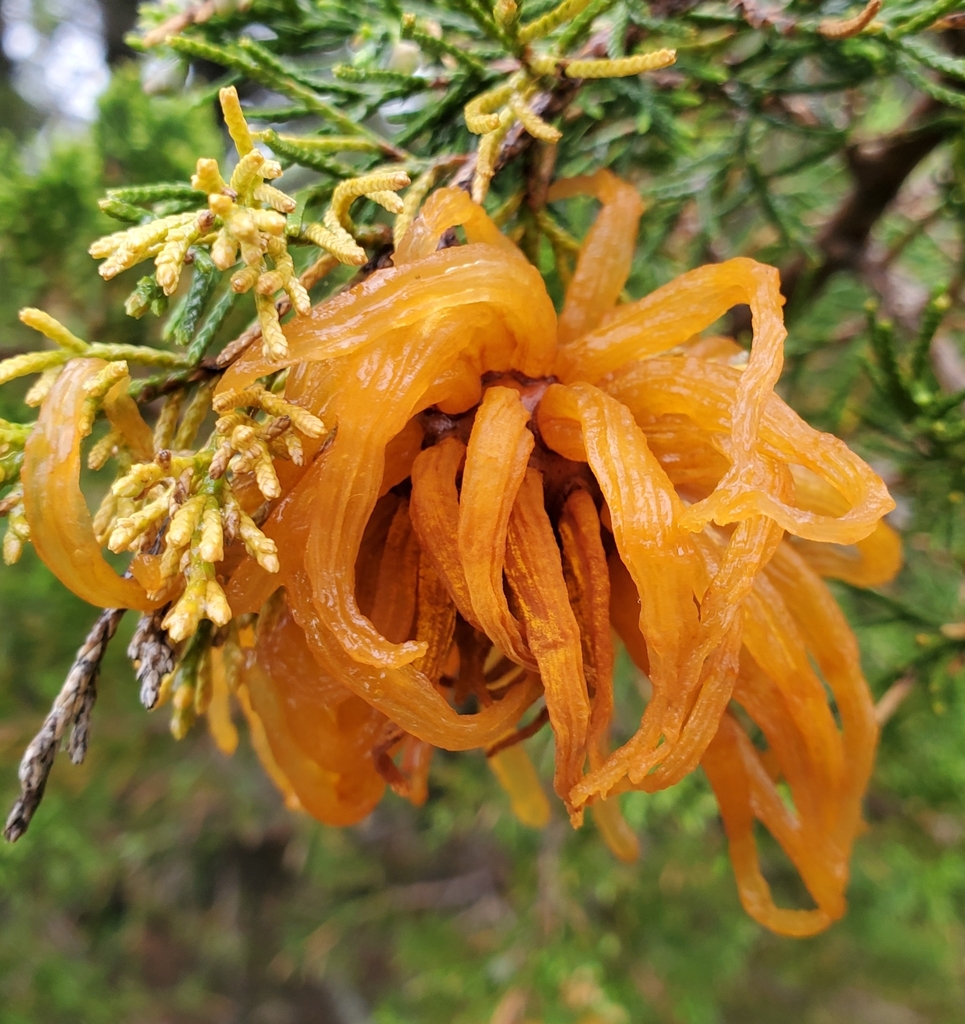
(605, 257)
(65, 541)
(125, 417)
(519, 780)
(321, 735)
(435, 516)
(501, 489)
(535, 575)
(496, 461)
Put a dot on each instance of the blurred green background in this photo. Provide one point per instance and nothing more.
(164, 884)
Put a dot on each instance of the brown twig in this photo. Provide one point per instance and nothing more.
(845, 28)
(196, 14)
(540, 176)
(445, 893)
(153, 656)
(72, 706)
(511, 1009)
(234, 349)
(879, 170)
(892, 699)
(950, 22)
(521, 734)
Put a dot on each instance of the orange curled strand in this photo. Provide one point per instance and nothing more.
(535, 576)
(608, 247)
(51, 480)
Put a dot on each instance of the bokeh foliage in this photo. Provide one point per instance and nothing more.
(164, 883)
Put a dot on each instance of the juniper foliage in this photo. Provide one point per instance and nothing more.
(814, 136)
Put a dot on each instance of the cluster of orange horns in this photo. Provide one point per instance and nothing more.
(506, 489)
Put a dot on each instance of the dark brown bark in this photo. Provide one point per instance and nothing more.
(119, 17)
(879, 169)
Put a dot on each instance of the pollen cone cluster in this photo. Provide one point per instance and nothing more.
(506, 485)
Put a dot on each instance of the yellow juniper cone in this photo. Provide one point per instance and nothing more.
(29, 363)
(185, 521)
(533, 123)
(235, 120)
(263, 549)
(272, 334)
(505, 12)
(245, 279)
(170, 259)
(207, 177)
(128, 528)
(211, 547)
(124, 249)
(186, 502)
(17, 533)
(481, 112)
(104, 449)
(40, 389)
(274, 197)
(482, 489)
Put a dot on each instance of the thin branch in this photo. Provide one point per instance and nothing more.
(196, 14)
(521, 734)
(893, 698)
(152, 654)
(879, 170)
(72, 706)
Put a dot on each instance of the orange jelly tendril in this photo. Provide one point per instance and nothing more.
(506, 486)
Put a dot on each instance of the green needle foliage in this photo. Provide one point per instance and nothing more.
(821, 137)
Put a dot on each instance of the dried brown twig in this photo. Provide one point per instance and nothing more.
(893, 698)
(153, 656)
(845, 28)
(72, 706)
(879, 170)
(196, 14)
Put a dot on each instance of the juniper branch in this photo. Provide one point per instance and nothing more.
(154, 657)
(72, 707)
